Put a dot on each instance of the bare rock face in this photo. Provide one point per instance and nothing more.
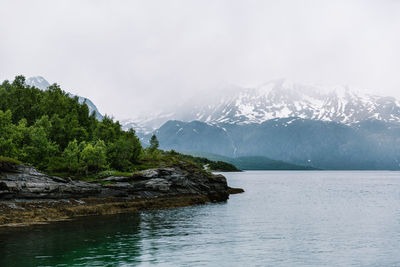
(23, 182)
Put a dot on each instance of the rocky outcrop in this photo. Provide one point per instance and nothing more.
(28, 196)
(22, 182)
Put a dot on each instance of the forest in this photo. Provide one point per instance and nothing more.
(53, 132)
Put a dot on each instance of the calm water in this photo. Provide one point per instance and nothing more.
(283, 219)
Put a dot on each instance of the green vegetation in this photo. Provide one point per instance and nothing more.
(53, 132)
(153, 143)
(9, 160)
(205, 163)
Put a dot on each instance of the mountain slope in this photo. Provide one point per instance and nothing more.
(92, 107)
(326, 145)
(195, 136)
(43, 84)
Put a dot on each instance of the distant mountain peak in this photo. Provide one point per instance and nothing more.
(38, 82)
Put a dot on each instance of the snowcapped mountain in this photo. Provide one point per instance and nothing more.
(148, 124)
(92, 107)
(284, 99)
(367, 145)
(38, 82)
(43, 84)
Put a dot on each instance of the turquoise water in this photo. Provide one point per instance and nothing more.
(312, 218)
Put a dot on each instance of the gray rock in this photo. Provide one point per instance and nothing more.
(117, 179)
(19, 182)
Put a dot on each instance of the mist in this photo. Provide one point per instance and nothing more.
(135, 57)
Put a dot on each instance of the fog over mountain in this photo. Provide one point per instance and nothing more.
(133, 58)
(278, 99)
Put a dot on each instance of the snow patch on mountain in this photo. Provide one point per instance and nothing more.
(284, 99)
(38, 82)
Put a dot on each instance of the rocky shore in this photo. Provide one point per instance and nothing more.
(28, 196)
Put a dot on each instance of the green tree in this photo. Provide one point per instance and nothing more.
(71, 157)
(125, 151)
(107, 130)
(153, 143)
(38, 149)
(93, 157)
(20, 137)
(7, 148)
(52, 131)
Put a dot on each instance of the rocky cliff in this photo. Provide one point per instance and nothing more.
(27, 195)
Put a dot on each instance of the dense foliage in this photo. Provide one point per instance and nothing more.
(54, 132)
(217, 165)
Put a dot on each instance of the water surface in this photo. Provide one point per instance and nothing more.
(313, 218)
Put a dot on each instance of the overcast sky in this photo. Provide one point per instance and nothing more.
(133, 56)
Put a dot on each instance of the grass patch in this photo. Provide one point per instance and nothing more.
(9, 160)
(156, 159)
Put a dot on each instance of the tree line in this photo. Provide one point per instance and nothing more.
(53, 132)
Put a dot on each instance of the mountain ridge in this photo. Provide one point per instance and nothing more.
(43, 84)
(281, 99)
(368, 145)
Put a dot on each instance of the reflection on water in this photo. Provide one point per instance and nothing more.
(90, 239)
(283, 219)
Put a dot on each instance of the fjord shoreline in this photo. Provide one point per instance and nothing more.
(28, 196)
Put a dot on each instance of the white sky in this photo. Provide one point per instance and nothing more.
(130, 57)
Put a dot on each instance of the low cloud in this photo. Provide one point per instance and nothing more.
(132, 57)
